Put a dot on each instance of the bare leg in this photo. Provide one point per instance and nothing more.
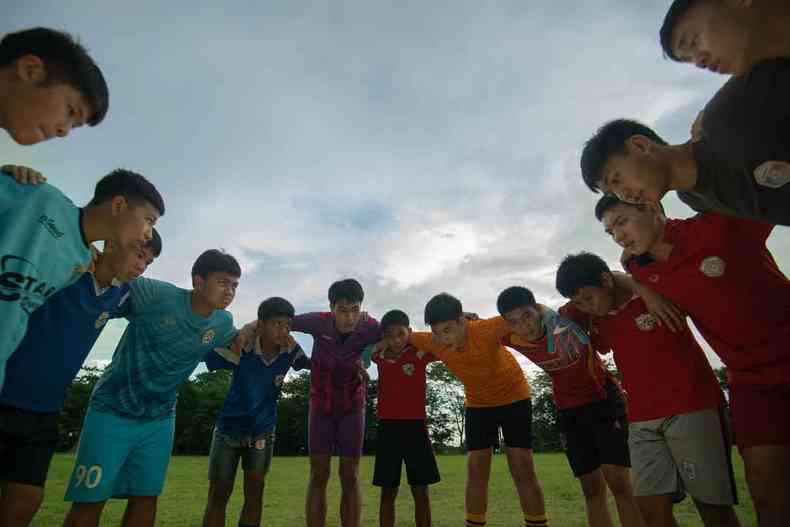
(595, 496)
(251, 512)
(478, 464)
(140, 512)
(387, 506)
(422, 506)
(219, 493)
(350, 498)
(315, 506)
(19, 503)
(619, 481)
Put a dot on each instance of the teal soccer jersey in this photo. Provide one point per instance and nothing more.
(162, 345)
(42, 250)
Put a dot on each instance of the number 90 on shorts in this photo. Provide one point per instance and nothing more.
(87, 477)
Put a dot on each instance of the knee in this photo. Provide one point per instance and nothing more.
(592, 487)
(142, 502)
(419, 492)
(620, 484)
(220, 491)
(478, 470)
(349, 477)
(388, 494)
(319, 477)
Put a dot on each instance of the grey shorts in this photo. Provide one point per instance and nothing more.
(255, 455)
(684, 453)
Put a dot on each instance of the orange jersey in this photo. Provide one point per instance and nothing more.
(490, 374)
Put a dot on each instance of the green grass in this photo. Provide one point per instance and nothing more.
(185, 495)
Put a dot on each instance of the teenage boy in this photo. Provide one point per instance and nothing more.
(60, 335)
(337, 398)
(45, 241)
(630, 160)
(718, 270)
(402, 433)
(127, 436)
(590, 405)
(497, 396)
(246, 424)
(48, 85)
(678, 435)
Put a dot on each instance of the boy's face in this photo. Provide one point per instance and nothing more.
(636, 176)
(135, 222)
(451, 333)
(525, 322)
(37, 110)
(635, 230)
(712, 35)
(275, 330)
(218, 289)
(595, 301)
(128, 264)
(397, 337)
(347, 315)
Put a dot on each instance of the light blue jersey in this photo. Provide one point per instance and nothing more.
(42, 250)
(160, 348)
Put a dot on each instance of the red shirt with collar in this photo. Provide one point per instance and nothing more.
(402, 384)
(721, 273)
(664, 373)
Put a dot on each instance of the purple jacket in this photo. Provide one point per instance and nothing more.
(336, 385)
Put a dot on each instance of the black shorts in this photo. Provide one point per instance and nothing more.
(483, 424)
(404, 441)
(27, 442)
(596, 434)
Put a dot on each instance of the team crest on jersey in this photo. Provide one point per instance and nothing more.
(408, 369)
(653, 278)
(278, 380)
(102, 319)
(208, 336)
(713, 267)
(772, 174)
(645, 322)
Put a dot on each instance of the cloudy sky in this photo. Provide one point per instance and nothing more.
(419, 147)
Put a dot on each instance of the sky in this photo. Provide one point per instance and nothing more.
(418, 147)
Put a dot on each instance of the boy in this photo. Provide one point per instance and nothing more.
(127, 436)
(245, 425)
(48, 85)
(45, 241)
(630, 160)
(497, 395)
(403, 433)
(337, 398)
(590, 406)
(60, 335)
(718, 270)
(678, 435)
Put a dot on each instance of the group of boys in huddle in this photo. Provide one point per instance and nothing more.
(667, 424)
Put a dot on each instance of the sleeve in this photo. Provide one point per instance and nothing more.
(13, 193)
(575, 315)
(227, 332)
(221, 359)
(146, 292)
(423, 341)
(299, 360)
(493, 330)
(426, 357)
(307, 323)
(367, 356)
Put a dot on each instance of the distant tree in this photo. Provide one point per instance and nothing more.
(724, 381)
(446, 410)
(199, 401)
(545, 432)
(292, 416)
(75, 406)
(371, 417)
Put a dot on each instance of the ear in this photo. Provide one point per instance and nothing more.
(30, 69)
(607, 280)
(118, 204)
(639, 144)
(198, 282)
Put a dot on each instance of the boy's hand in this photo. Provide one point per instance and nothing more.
(24, 175)
(291, 343)
(471, 316)
(665, 311)
(245, 337)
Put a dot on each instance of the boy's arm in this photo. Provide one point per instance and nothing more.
(144, 292)
(306, 323)
(24, 175)
(300, 360)
(423, 341)
(367, 355)
(221, 359)
(665, 311)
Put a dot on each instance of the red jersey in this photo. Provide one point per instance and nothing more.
(577, 374)
(664, 373)
(721, 273)
(402, 384)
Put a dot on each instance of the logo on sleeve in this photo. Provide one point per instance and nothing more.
(208, 336)
(645, 322)
(102, 319)
(713, 267)
(772, 174)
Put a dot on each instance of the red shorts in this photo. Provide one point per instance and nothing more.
(760, 414)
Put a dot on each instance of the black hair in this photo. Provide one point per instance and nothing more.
(396, 317)
(609, 201)
(610, 139)
(130, 185)
(215, 261)
(674, 14)
(155, 243)
(443, 307)
(580, 270)
(348, 289)
(67, 62)
(514, 298)
(275, 307)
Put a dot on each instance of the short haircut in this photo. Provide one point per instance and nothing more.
(609, 201)
(610, 139)
(67, 62)
(215, 261)
(348, 289)
(130, 185)
(275, 307)
(443, 307)
(675, 13)
(396, 317)
(155, 243)
(580, 270)
(514, 298)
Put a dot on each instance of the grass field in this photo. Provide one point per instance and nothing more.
(185, 493)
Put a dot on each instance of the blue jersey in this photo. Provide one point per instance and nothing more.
(160, 348)
(250, 407)
(42, 250)
(60, 335)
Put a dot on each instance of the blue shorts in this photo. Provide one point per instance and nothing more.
(119, 457)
